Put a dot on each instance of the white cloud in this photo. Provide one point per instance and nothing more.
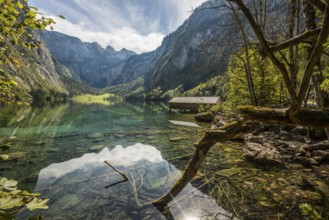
(135, 25)
(118, 38)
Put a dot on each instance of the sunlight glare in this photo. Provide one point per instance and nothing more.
(191, 218)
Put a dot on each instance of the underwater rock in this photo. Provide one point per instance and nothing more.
(229, 172)
(176, 139)
(4, 157)
(33, 178)
(262, 154)
(68, 201)
(16, 155)
(95, 136)
(96, 147)
(5, 146)
(204, 117)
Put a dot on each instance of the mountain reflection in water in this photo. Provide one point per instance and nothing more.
(77, 188)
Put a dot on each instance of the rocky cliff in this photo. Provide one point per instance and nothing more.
(35, 73)
(195, 52)
(92, 64)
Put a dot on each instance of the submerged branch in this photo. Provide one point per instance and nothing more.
(125, 177)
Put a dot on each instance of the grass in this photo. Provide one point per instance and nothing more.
(88, 99)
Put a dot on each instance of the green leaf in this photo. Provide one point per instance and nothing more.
(15, 192)
(8, 184)
(61, 16)
(20, 5)
(10, 202)
(37, 204)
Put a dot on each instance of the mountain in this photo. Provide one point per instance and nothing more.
(197, 51)
(92, 64)
(36, 74)
(192, 54)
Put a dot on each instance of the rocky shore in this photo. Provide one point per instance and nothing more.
(291, 168)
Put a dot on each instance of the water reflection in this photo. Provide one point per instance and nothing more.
(47, 138)
(79, 187)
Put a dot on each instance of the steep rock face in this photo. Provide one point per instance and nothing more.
(94, 65)
(136, 66)
(36, 71)
(195, 52)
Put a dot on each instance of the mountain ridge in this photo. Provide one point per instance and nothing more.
(178, 61)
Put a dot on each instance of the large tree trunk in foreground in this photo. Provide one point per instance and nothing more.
(250, 114)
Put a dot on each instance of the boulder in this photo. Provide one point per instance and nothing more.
(204, 117)
(262, 154)
(251, 138)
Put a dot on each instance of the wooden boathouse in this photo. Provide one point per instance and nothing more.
(191, 103)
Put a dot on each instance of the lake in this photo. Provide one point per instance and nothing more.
(60, 151)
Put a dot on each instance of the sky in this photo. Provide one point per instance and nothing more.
(137, 25)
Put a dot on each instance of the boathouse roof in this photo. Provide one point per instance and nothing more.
(195, 100)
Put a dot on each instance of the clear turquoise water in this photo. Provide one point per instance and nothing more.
(61, 152)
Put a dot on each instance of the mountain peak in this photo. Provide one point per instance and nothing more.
(109, 48)
(127, 52)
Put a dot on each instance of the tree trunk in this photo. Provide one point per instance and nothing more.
(321, 97)
(250, 81)
(293, 63)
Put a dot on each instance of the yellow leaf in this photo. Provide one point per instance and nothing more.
(20, 5)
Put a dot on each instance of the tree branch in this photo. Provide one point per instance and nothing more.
(296, 40)
(267, 50)
(318, 4)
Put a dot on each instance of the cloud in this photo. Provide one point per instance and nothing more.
(136, 25)
(118, 38)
